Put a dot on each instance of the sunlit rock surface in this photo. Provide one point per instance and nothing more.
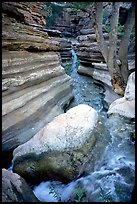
(60, 150)
(125, 106)
(15, 188)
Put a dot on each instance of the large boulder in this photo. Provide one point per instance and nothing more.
(15, 188)
(125, 106)
(61, 149)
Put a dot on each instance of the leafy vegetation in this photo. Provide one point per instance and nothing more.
(79, 194)
(53, 12)
(79, 6)
(119, 28)
(46, 7)
(107, 27)
(105, 15)
(67, 67)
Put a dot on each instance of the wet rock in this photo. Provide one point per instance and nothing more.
(125, 106)
(61, 149)
(15, 188)
(110, 96)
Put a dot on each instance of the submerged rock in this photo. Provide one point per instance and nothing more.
(61, 149)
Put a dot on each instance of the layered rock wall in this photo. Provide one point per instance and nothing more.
(92, 62)
(28, 12)
(35, 87)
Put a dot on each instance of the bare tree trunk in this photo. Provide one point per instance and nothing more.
(98, 30)
(123, 48)
(109, 54)
(117, 79)
(117, 64)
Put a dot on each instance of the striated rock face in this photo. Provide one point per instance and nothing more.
(65, 49)
(28, 12)
(90, 57)
(98, 72)
(35, 87)
(92, 62)
(60, 150)
(17, 36)
(125, 106)
(88, 49)
(15, 188)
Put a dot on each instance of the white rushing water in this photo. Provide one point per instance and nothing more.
(113, 177)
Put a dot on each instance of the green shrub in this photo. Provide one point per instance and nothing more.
(120, 29)
(67, 68)
(80, 195)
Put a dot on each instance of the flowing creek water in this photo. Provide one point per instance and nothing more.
(113, 176)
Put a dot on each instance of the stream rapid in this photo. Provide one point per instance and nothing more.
(113, 176)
